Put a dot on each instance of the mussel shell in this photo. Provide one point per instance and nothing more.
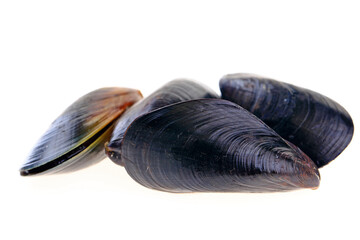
(175, 91)
(316, 124)
(76, 138)
(212, 145)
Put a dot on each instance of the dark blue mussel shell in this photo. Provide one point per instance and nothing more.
(212, 145)
(175, 91)
(316, 124)
(76, 138)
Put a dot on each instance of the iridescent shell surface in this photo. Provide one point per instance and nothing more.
(175, 91)
(212, 145)
(316, 124)
(76, 138)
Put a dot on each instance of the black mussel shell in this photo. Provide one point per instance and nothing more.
(76, 138)
(175, 91)
(316, 124)
(212, 145)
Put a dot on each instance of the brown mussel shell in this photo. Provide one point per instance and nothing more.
(316, 124)
(175, 91)
(212, 145)
(76, 138)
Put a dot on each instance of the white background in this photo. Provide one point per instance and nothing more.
(53, 52)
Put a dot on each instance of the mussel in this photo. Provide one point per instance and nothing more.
(316, 124)
(270, 136)
(76, 138)
(175, 91)
(212, 145)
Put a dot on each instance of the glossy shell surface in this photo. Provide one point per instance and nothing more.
(175, 91)
(76, 138)
(316, 124)
(212, 145)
